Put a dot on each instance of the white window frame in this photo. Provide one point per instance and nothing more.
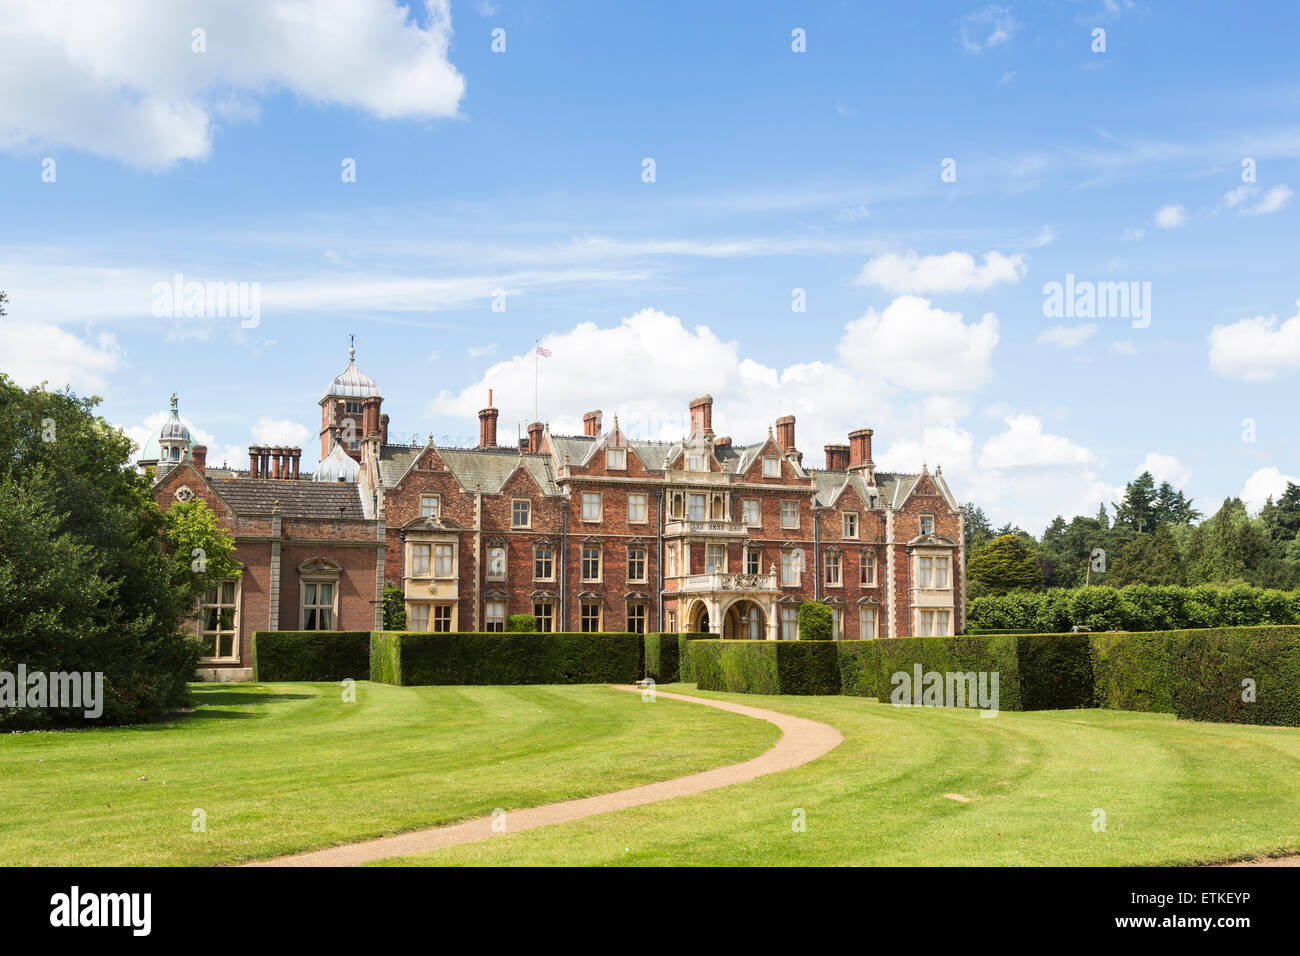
(514, 512)
(600, 562)
(636, 622)
(496, 575)
(923, 520)
(834, 559)
(751, 512)
(550, 561)
(692, 500)
(638, 502)
(851, 518)
(420, 562)
(316, 580)
(712, 551)
(868, 564)
(786, 506)
(494, 616)
(592, 506)
(697, 461)
(219, 632)
(791, 570)
(583, 617)
(643, 560)
(444, 560)
(868, 623)
(771, 467)
(544, 615)
(428, 510)
(789, 623)
(616, 459)
(418, 613)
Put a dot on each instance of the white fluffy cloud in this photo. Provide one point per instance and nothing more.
(235, 456)
(1171, 216)
(918, 346)
(1273, 200)
(651, 362)
(122, 78)
(1256, 350)
(268, 431)
(35, 352)
(1067, 336)
(1263, 484)
(1165, 468)
(950, 272)
(1025, 445)
(986, 28)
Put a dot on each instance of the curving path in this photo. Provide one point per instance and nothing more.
(802, 741)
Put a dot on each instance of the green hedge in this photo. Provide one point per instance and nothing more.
(661, 657)
(1207, 669)
(411, 659)
(1136, 607)
(867, 667)
(1055, 671)
(310, 655)
(1131, 672)
(685, 662)
(766, 667)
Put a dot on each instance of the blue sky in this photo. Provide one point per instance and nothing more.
(521, 172)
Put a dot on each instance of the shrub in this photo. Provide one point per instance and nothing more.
(473, 658)
(394, 608)
(661, 657)
(816, 623)
(685, 662)
(521, 624)
(311, 655)
(385, 658)
(1098, 608)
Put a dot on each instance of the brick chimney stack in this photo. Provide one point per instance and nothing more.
(487, 425)
(837, 457)
(722, 441)
(860, 453)
(535, 431)
(785, 433)
(383, 431)
(295, 454)
(370, 416)
(252, 461)
(199, 458)
(591, 424)
(277, 456)
(702, 415)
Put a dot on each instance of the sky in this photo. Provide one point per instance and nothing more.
(884, 215)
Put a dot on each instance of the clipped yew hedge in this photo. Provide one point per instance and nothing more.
(661, 657)
(310, 655)
(766, 667)
(461, 657)
(867, 667)
(1209, 670)
(1131, 671)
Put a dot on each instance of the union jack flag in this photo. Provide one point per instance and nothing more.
(544, 353)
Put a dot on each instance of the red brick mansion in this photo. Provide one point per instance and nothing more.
(590, 532)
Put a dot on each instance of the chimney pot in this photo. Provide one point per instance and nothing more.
(535, 437)
(487, 428)
(837, 457)
(591, 424)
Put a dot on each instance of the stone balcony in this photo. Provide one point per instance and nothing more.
(718, 582)
(679, 527)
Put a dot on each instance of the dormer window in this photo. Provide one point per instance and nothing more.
(696, 462)
(927, 524)
(771, 467)
(616, 458)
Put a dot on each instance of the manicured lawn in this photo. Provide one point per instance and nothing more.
(280, 768)
(1172, 791)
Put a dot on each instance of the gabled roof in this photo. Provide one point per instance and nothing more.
(476, 469)
(299, 498)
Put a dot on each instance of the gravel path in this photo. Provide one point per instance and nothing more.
(802, 741)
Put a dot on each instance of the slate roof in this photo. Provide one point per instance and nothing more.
(478, 469)
(298, 499)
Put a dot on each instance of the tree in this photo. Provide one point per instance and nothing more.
(1006, 564)
(521, 623)
(394, 608)
(1173, 508)
(979, 531)
(1147, 559)
(201, 549)
(816, 623)
(1138, 509)
(86, 581)
(1230, 546)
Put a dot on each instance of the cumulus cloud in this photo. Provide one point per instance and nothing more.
(235, 456)
(35, 352)
(268, 431)
(1025, 445)
(1067, 336)
(1171, 216)
(1263, 484)
(1165, 468)
(652, 362)
(950, 272)
(920, 347)
(1256, 350)
(123, 78)
(1273, 200)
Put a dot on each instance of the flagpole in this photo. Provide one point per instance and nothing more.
(537, 370)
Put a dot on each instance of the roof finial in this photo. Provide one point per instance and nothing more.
(352, 347)
(173, 403)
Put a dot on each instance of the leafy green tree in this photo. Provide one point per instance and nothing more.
(815, 622)
(86, 580)
(521, 623)
(1138, 509)
(1230, 546)
(201, 549)
(1147, 559)
(1006, 564)
(1172, 507)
